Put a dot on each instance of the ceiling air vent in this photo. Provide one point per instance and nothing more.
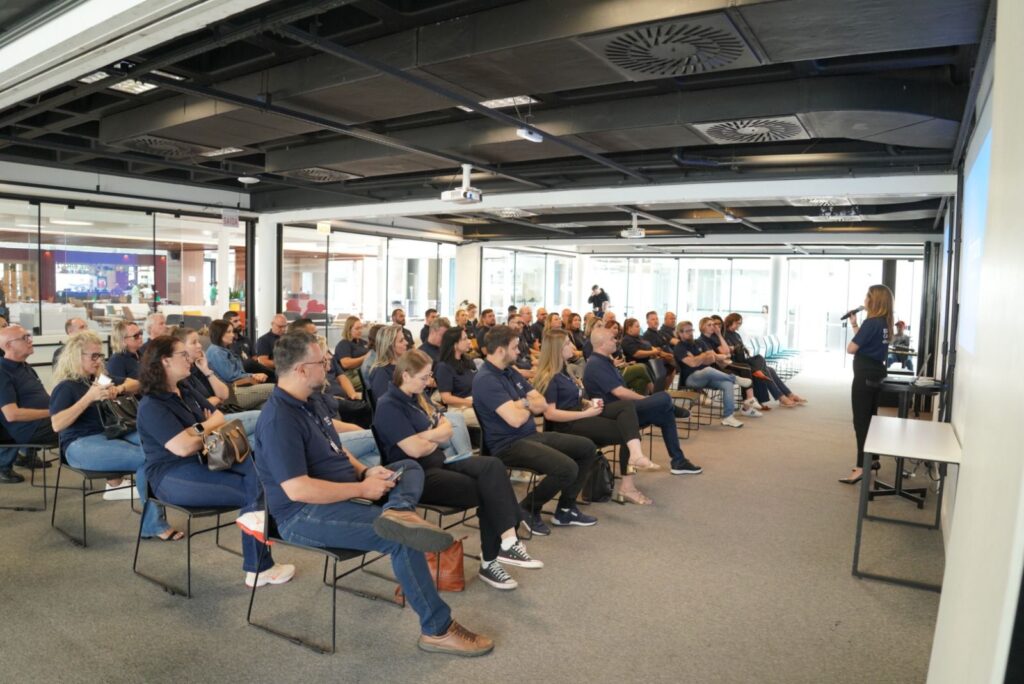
(681, 47)
(164, 147)
(318, 174)
(765, 129)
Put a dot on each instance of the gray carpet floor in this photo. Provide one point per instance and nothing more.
(741, 574)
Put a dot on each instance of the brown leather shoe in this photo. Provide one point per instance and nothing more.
(409, 529)
(457, 641)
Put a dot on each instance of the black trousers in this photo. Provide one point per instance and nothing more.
(867, 385)
(617, 424)
(480, 481)
(564, 460)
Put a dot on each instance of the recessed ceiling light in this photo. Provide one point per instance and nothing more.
(512, 213)
(222, 151)
(70, 222)
(503, 102)
(173, 77)
(730, 217)
(93, 78)
(133, 87)
(26, 225)
(248, 180)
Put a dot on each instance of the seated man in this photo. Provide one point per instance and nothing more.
(662, 343)
(24, 404)
(505, 405)
(265, 343)
(432, 345)
(487, 321)
(524, 362)
(602, 380)
(71, 326)
(312, 488)
(398, 318)
(697, 370)
(428, 317)
(900, 348)
(156, 326)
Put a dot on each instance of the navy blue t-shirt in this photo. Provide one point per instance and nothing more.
(631, 344)
(431, 350)
(20, 384)
(265, 345)
(588, 349)
(873, 339)
(656, 338)
(381, 378)
(66, 394)
(600, 377)
(424, 333)
(162, 415)
(680, 352)
(493, 388)
(349, 349)
(563, 392)
(295, 438)
(458, 382)
(123, 365)
(399, 416)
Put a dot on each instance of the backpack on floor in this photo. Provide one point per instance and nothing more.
(601, 483)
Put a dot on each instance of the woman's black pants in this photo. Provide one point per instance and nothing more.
(617, 424)
(867, 385)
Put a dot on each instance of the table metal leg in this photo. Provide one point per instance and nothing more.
(862, 510)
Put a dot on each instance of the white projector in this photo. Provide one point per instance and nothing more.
(633, 233)
(465, 195)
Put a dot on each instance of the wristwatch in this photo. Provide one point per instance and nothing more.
(199, 429)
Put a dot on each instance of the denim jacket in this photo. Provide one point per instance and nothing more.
(225, 363)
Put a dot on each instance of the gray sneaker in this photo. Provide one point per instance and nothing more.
(492, 573)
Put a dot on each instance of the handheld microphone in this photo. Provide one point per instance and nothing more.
(852, 312)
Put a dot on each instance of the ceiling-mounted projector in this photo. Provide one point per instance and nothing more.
(466, 194)
(634, 232)
(528, 134)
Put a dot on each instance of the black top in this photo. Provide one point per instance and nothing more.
(66, 394)
(657, 339)
(399, 416)
(433, 351)
(537, 330)
(265, 345)
(20, 385)
(455, 378)
(598, 300)
(123, 365)
(631, 344)
(424, 333)
(578, 339)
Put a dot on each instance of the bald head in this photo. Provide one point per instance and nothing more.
(16, 343)
(75, 325)
(603, 341)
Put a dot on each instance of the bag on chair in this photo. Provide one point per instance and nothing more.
(453, 574)
(226, 446)
(601, 483)
(118, 416)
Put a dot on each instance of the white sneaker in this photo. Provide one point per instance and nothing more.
(279, 574)
(743, 382)
(730, 421)
(115, 493)
(750, 412)
(253, 523)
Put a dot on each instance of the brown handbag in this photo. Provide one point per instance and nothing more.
(452, 576)
(226, 446)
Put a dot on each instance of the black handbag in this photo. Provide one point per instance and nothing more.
(118, 416)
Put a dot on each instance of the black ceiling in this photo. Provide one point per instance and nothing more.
(315, 95)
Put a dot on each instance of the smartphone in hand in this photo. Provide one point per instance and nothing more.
(397, 475)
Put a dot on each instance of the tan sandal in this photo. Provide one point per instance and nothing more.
(636, 497)
(643, 464)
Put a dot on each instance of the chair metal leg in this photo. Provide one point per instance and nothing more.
(188, 559)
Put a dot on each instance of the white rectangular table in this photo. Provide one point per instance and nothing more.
(904, 438)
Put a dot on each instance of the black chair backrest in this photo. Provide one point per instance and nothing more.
(484, 450)
(368, 390)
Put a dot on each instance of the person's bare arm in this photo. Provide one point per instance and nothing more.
(514, 413)
(15, 414)
(624, 392)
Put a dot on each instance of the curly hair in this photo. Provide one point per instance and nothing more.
(69, 365)
(152, 375)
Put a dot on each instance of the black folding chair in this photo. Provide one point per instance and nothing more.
(332, 556)
(31, 449)
(86, 491)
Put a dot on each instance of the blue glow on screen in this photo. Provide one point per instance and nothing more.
(974, 214)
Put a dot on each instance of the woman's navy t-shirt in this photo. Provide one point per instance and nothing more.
(872, 338)
(66, 394)
(399, 416)
(162, 415)
(457, 382)
(563, 392)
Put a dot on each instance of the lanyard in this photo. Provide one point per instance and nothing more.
(322, 427)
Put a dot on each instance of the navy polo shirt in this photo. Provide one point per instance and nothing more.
(265, 345)
(667, 332)
(491, 389)
(458, 381)
(349, 349)
(527, 334)
(399, 416)
(433, 351)
(381, 378)
(162, 415)
(588, 349)
(537, 330)
(600, 377)
(631, 344)
(295, 438)
(20, 384)
(655, 338)
(123, 365)
(681, 351)
(66, 394)
(424, 333)
(872, 339)
(481, 335)
(563, 392)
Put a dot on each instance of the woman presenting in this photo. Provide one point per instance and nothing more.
(869, 346)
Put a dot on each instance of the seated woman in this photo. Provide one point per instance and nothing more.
(409, 427)
(711, 338)
(568, 411)
(764, 376)
(371, 351)
(351, 350)
(204, 383)
(454, 375)
(576, 333)
(125, 341)
(251, 389)
(75, 417)
(171, 425)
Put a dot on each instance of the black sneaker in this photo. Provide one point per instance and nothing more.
(687, 468)
(30, 461)
(573, 516)
(8, 476)
(518, 556)
(534, 525)
(495, 575)
(680, 411)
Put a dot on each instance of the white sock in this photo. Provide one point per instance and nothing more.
(508, 543)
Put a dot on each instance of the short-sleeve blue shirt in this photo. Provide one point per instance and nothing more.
(493, 388)
(433, 351)
(350, 349)
(66, 394)
(162, 415)
(381, 378)
(563, 392)
(601, 377)
(872, 339)
(20, 385)
(458, 382)
(123, 365)
(295, 438)
(399, 416)
(681, 351)
(265, 344)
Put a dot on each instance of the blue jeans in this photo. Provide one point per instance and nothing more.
(349, 525)
(712, 377)
(362, 445)
(459, 443)
(657, 409)
(777, 388)
(904, 360)
(96, 452)
(42, 434)
(191, 483)
(248, 419)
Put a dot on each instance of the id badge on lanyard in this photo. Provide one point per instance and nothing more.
(320, 424)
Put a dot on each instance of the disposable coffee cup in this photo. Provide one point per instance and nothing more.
(104, 381)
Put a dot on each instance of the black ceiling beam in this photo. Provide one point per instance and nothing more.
(342, 52)
(325, 123)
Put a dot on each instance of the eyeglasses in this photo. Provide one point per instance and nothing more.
(323, 362)
(136, 336)
(93, 357)
(27, 337)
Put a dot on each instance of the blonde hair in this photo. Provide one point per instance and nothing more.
(386, 338)
(880, 305)
(550, 363)
(119, 333)
(593, 323)
(69, 365)
(412, 362)
(550, 317)
(350, 322)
